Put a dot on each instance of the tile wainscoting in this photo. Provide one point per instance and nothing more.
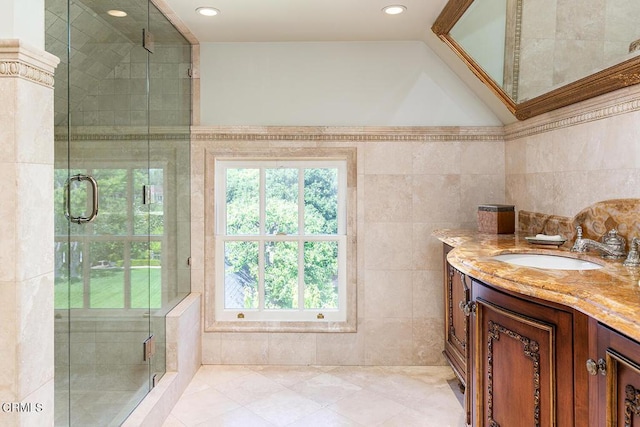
(409, 182)
(564, 160)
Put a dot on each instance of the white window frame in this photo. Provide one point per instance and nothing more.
(299, 314)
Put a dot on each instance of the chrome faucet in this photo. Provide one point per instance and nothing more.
(611, 247)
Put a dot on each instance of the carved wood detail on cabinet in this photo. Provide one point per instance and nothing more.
(530, 349)
(457, 295)
(459, 338)
(631, 405)
(620, 386)
(518, 350)
(456, 325)
(525, 361)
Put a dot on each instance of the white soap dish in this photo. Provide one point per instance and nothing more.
(543, 239)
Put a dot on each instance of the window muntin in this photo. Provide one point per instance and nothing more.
(121, 251)
(281, 226)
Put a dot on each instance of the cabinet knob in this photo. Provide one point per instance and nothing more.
(594, 367)
(467, 308)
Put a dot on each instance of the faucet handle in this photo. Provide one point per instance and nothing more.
(633, 258)
(579, 244)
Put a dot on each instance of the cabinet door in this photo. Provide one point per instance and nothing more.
(456, 325)
(456, 294)
(619, 389)
(522, 364)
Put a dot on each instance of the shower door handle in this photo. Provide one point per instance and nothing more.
(67, 199)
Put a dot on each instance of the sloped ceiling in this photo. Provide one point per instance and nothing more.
(261, 21)
(328, 20)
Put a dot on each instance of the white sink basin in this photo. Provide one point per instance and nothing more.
(552, 262)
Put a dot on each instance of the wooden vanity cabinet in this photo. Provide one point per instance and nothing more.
(456, 324)
(522, 361)
(618, 370)
(456, 297)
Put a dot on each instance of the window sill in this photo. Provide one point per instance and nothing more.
(261, 326)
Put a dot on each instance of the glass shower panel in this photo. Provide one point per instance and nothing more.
(169, 175)
(102, 267)
(65, 256)
(108, 137)
(122, 117)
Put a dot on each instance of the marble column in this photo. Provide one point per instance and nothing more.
(26, 234)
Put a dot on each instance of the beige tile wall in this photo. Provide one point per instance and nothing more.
(26, 209)
(410, 181)
(569, 159)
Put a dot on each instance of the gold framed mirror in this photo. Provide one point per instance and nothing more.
(501, 47)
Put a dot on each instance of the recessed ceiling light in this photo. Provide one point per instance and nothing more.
(394, 9)
(208, 11)
(117, 13)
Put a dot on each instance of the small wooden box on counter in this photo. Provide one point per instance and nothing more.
(496, 219)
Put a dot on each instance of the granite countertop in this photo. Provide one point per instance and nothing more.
(610, 295)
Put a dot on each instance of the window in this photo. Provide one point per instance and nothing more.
(114, 262)
(281, 226)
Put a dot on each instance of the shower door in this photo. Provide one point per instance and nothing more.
(117, 267)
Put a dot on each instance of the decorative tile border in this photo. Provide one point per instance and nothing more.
(347, 134)
(293, 133)
(125, 137)
(22, 61)
(619, 102)
(26, 71)
(123, 133)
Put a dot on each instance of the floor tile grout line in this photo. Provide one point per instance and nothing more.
(342, 374)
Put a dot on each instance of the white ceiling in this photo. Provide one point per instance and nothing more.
(327, 20)
(307, 20)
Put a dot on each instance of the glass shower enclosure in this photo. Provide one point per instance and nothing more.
(122, 220)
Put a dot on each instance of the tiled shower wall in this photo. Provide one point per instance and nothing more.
(109, 68)
(566, 160)
(409, 182)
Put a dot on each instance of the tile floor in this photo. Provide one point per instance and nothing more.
(313, 396)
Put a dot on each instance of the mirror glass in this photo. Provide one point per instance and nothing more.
(482, 33)
(527, 50)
